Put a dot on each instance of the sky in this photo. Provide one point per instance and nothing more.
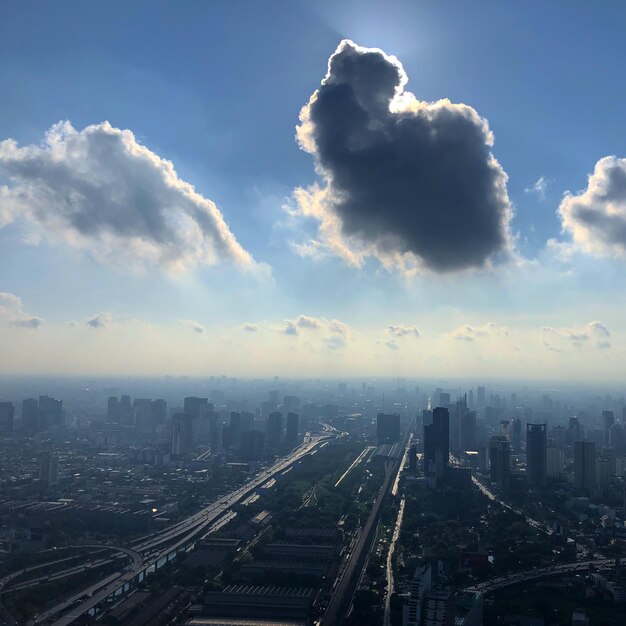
(313, 189)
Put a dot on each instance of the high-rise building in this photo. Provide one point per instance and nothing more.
(480, 398)
(182, 434)
(536, 455)
(555, 462)
(274, 429)
(30, 415)
(252, 445)
(113, 410)
(574, 431)
(193, 406)
(419, 587)
(126, 411)
(439, 608)
(7, 413)
(516, 435)
(49, 469)
(50, 412)
(605, 468)
(467, 428)
(159, 411)
(437, 444)
(585, 466)
(608, 419)
(291, 435)
(387, 428)
(500, 461)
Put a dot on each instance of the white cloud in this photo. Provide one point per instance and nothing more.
(100, 320)
(468, 333)
(578, 336)
(250, 328)
(196, 327)
(12, 312)
(539, 187)
(101, 191)
(400, 330)
(596, 217)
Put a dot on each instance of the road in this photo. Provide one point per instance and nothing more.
(509, 580)
(345, 586)
(392, 548)
(354, 463)
(163, 545)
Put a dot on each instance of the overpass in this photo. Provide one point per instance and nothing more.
(501, 582)
(166, 545)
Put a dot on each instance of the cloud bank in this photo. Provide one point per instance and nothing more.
(596, 217)
(99, 190)
(411, 183)
(12, 312)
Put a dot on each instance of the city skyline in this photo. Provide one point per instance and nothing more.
(191, 209)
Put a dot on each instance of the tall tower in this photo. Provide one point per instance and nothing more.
(536, 455)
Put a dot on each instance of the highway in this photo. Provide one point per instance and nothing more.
(163, 546)
(347, 580)
(509, 580)
(392, 548)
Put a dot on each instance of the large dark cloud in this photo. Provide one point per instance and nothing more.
(413, 183)
(596, 217)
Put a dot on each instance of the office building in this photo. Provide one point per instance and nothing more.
(608, 419)
(387, 428)
(50, 412)
(30, 415)
(291, 435)
(467, 434)
(437, 444)
(113, 410)
(555, 462)
(7, 413)
(516, 435)
(585, 466)
(500, 461)
(126, 411)
(439, 608)
(274, 429)
(182, 434)
(252, 445)
(419, 587)
(536, 455)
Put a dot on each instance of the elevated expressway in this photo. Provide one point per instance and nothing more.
(156, 550)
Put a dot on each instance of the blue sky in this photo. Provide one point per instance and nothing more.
(216, 88)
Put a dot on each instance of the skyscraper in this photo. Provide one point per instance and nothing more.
(274, 429)
(113, 410)
(30, 415)
(50, 412)
(516, 435)
(536, 455)
(291, 435)
(608, 419)
(252, 444)
(437, 444)
(182, 434)
(500, 461)
(467, 430)
(585, 466)
(387, 428)
(7, 413)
